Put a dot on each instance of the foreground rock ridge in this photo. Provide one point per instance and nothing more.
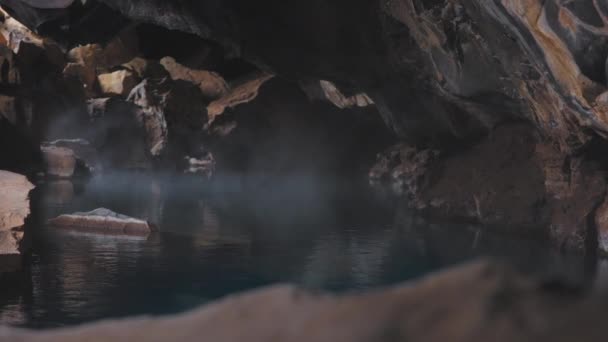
(482, 301)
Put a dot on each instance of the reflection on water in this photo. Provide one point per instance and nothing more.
(232, 236)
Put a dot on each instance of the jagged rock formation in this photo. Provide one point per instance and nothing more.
(477, 302)
(452, 79)
(14, 209)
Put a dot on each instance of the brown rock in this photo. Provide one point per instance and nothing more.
(510, 180)
(166, 106)
(244, 91)
(117, 83)
(14, 209)
(335, 96)
(144, 68)
(102, 221)
(83, 63)
(212, 85)
(476, 302)
(60, 161)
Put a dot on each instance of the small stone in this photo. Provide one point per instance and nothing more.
(117, 83)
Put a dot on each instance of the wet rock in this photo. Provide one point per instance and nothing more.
(407, 168)
(173, 114)
(478, 302)
(87, 158)
(242, 92)
(60, 161)
(529, 187)
(14, 209)
(212, 85)
(201, 166)
(102, 221)
(117, 83)
(335, 96)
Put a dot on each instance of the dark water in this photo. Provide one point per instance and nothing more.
(236, 235)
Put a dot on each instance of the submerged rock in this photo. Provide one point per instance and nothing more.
(102, 221)
(14, 209)
(477, 302)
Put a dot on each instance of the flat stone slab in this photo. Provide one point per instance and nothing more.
(103, 221)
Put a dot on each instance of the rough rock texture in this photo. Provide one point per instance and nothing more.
(173, 114)
(212, 85)
(117, 83)
(14, 209)
(243, 91)
(102, 221)
(445, 76)
(512, 179)
(477, 302)
(60, 161)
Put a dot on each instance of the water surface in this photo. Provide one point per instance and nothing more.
(234, 235)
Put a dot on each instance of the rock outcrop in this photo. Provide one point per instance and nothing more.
(14, 209)
(512, 180)
(102, 221)
(477, 302)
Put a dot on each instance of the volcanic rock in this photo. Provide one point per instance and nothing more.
(173, 114)
(14, 209)
(476, 302)
(117, 83)
(242, 92)
(511, 179)
(60, 161)
(118, 134)
(102, 221)
(212, 85)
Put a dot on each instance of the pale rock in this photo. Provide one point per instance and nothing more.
(119, 82)
(212, 85)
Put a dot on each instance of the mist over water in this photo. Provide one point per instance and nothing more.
(230, 235)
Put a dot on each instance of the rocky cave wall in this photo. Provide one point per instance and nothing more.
(499, 106)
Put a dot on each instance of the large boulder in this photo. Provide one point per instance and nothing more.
(60, 161)
(511, 180)
(477, 302)
(14, 209)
